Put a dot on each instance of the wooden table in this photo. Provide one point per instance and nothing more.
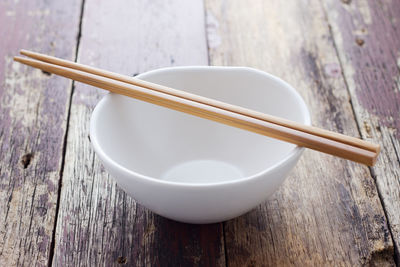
(59, 207)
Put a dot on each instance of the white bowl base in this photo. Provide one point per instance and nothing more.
(202, 171)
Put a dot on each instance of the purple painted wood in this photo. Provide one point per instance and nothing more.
(33, 112)
(367, 39)
(370, 43)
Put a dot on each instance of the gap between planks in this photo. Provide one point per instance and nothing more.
(64, 149)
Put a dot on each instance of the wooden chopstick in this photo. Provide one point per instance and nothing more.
(211, 112)
(211, 102)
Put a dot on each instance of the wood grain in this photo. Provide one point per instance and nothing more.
(32, 127)
(367, 39)
(98, 224)
(328, 212)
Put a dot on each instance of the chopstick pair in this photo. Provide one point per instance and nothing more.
(303, 135)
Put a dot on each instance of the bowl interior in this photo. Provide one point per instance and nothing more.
(164, 144)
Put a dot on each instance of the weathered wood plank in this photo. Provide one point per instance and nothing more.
(367, 38)
(33, 112)
(328, 211)
(98, 224)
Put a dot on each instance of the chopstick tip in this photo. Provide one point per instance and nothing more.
(17, 58)
(22, 60)
(24, 52)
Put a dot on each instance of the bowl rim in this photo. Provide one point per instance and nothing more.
(294, 152)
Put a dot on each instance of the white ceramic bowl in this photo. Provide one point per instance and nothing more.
(191, 169)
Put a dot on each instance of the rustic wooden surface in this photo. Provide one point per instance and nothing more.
(59, 206)
(324, 196)
(367, 39)
(33, 118)
(97, 223)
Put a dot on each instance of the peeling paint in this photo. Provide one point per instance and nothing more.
(21, 102)
(212, 25)
(39, 12)
(360, 32)
(365, 11)
(333, 70)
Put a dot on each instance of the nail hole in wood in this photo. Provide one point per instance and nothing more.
(360, 42)
(89, 138)
(46, 73)
(26, 160)
(121, 260)
(135, 74)
(367, 128)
